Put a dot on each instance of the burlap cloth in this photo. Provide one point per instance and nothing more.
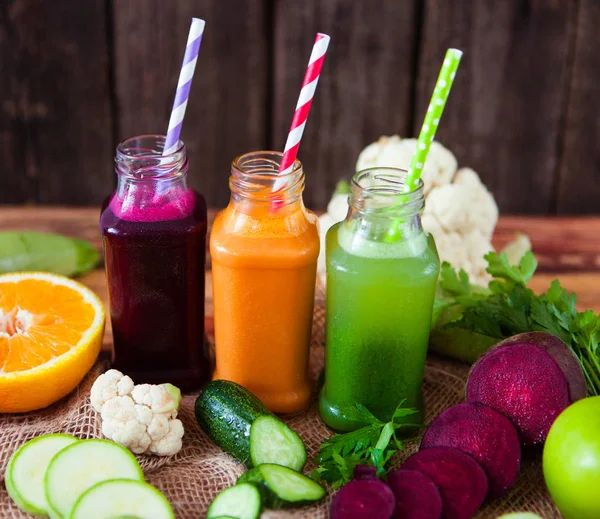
(192, 478)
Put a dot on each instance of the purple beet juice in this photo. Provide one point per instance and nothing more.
(154, 234)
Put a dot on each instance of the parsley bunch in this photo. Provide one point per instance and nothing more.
(507, 307)
(374, 444)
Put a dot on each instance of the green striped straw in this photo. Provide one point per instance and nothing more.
(430, 125)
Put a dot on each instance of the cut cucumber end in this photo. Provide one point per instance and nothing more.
(124, 498)
(282, 487)
(290, 485)
(24, 477)
(82, 465)
(272, 441)
(240, 501)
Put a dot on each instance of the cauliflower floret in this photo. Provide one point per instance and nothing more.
(395, 152)
(156, 398)
(464, 205)
(143, 420)
(170, 442)
(109, 385)
(120, 424)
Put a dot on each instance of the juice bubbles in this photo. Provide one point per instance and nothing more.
(379, 303)
(264, 263)
(154, 235)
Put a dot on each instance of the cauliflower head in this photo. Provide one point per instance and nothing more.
(395, 152)
(460, 212)
(142, 418)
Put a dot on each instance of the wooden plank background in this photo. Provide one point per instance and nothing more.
(523, 112)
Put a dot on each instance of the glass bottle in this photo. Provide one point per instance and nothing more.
(380, 295)
(264, 262)
(154, 236)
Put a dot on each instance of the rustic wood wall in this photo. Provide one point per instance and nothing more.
(75, 78)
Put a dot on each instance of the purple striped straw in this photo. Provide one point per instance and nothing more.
(184, 85)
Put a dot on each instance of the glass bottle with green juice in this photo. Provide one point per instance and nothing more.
(382, 271)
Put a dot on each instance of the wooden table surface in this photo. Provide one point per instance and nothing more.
(567, 248)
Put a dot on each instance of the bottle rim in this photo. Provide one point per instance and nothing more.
(381, 189)
(254, 176)
(140, 157)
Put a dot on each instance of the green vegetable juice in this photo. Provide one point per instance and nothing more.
(379, 303)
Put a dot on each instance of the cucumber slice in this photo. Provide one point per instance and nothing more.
(24, 476)
(272, 441)
(241, 501)
(281, 487)
(122, 498)
(80, 466)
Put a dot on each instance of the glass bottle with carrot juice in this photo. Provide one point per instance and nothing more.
(264, 262)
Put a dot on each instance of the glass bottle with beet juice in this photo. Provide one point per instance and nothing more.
(380, 295)
(154, 235)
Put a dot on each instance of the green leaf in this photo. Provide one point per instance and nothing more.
(500, 267)
(370, 445)
(452, 283)
(358, 413)
(36, 251)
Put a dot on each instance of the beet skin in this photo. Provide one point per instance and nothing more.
(525, 384)
(461, 481)
(485, 434)
(560, 352)
(417, 497)
(363, 499)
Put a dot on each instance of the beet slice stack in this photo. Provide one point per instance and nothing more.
(486, 435)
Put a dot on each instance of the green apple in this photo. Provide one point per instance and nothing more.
(572, 460)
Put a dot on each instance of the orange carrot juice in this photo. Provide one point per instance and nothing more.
(264, 262)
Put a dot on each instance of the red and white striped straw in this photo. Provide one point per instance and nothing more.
(309, 85)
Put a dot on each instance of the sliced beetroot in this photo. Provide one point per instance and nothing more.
(562, 355)
(461, 481)
(485, 434)
(417, 497)
(364, 472)
(525, 384)
(364, 499)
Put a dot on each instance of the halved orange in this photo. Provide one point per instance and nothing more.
(51, 330)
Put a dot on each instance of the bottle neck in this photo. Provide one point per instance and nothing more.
(378, 203)
(151, 186)
(256, 185)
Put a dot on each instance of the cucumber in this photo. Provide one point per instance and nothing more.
(121, 498)
(24, 475)
(241, 501)
(281, 487)
(80, 466)
(239, 423)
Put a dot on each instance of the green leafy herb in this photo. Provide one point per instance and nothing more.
(507, 307)
(374, 444)
(30, 251)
